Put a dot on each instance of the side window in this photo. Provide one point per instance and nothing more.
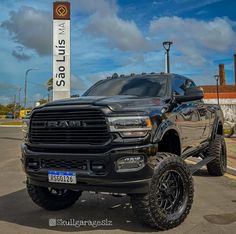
(180, 85)
(189, 84)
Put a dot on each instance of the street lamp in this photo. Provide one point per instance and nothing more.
(19, 91)
(166, 45)
(25, 89)
(217, 88)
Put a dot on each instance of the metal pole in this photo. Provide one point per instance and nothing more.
(165, 62)
(166, 45)
(168, 60)
(217, 88)
(25, 89)
(234, 69)
(218, 99)
(14, 108)
(19, 91)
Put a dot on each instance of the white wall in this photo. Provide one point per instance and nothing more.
(228, 107)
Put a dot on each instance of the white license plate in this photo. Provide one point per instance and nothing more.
(62, 177)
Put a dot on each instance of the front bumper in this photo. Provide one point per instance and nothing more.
(88, 179)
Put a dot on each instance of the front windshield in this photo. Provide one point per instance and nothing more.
(142, 87)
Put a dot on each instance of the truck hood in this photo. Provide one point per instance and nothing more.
(116, 103)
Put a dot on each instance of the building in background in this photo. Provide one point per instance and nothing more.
(227, 94)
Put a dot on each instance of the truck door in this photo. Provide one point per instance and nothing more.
(205, 117)
(187, 120)
(187, 116)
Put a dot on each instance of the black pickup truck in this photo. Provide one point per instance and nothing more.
(126, 135)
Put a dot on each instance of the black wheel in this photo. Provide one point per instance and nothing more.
(170, 197)
(52, 198)
(217, 149)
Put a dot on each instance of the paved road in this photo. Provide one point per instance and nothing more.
(214, 208)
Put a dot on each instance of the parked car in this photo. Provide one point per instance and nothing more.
(9, 116)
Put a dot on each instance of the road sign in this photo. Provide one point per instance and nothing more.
(61, 50)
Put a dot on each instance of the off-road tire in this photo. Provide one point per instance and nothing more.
(49, 201)
(147, 207)
(217, 149)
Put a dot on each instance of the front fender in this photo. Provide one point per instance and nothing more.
(216, 124)
(163, 128)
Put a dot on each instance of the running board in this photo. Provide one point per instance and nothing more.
(200, 164)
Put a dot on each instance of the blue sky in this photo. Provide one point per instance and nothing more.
(120, 36)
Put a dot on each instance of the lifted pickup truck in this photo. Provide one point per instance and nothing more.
(126, 134)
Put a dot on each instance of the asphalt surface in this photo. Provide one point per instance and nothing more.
(213, 211)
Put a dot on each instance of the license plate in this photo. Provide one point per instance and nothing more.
(62, 177)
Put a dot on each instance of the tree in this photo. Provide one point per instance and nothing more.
(43, 101)
(4, 110)
(50, 84)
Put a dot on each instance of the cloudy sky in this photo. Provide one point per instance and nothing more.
(123, 36)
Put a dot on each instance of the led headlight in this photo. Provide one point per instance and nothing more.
(25, 127)
(130, 126)
(130, 163)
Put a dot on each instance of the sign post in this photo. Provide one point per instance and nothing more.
(61, 50)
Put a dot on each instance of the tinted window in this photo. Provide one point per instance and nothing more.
(180, 85)
(144, 87)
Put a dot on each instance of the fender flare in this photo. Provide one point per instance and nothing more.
(215, 127)
(163, 128)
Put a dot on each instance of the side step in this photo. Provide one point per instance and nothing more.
(200, 164)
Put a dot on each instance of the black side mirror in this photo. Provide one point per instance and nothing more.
(191, 94)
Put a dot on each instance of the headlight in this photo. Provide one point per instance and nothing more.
(25, 128)
(130, 126)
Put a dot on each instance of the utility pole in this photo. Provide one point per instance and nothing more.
(14, 106)
(25, 88)
(166, 45)
(217, 88)
(234, 69)
(19, 92)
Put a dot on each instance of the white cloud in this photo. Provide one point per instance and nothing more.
(104, 22)
(31, 28)
(196, 39)
(102, 6)
(120, 34)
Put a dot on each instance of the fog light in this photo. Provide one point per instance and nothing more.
(126, 164)
(32, 164)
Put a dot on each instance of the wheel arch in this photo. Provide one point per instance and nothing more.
(218, 128)
(170, 142)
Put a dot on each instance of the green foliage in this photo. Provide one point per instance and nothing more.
(4, 109)
(43, 101)
(50, 84)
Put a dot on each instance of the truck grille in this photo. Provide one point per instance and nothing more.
(64, 164)
(84, 126)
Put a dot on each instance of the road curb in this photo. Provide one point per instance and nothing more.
(231, 170)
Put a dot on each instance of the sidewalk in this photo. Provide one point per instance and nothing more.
(231, 150)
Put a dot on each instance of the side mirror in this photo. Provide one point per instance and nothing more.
(191, 94)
